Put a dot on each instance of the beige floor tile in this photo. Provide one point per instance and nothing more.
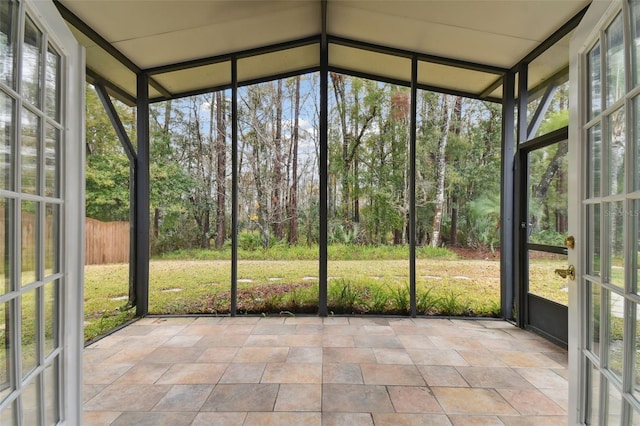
(154, 419)
(457, 343)
(531, 402)
(460, 420)
(89, 391)
(346, 419)
(544, 378)
(472, 401)
(481, 358)
(526, 360)
(338, 341)
(416, 342)
(99, 418)
(436, 357)
(380, 374)
(193, 374)
(183, 341)
(304, 355)
(184, 398)
(342, 373)
(413, 399)
(245, 372)
(377, 341)
(411, 420)
(493, 377)
(104, 374)
(218, 354)
(442, 375)
(242, 397)
(273, 329)
(299, 397)
(356, 399)
(283, 372)
(348, 355)
(127, 397)
(130, 355)
(262, 354)
(173, 355)
(559, 396)
(392, 356)
(143, 373)
(534, 420)
(312, 340)
(219, 419)
(216, 341)
(283, 419)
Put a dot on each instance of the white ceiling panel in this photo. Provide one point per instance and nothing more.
(279, 62)
(365, 61)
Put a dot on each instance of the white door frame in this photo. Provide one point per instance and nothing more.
(583, 38)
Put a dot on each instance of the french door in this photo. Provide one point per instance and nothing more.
(604, 156)
(41, 210)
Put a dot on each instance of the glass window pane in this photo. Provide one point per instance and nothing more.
(7, 45)
(52, 85)
(615, 313)
(51, 161)
(614, 405)
(6, 141)
(635, 238)
(31, 63)
(542, 279)
(50, 317)
(31, 403)
(635, 34)
(615, 214)
(29, 332)
(29, 151)
(635, 146)
(593, 403)
(51, 227)
(7, 415)
(548, 186)
(617, 143)
(52, 412)
(5, 350)
(594, 163)
(28, 238)
(593, 239)
(636, 357)
(615, 61)
(7, 223)
(594, 318)
(595, 92)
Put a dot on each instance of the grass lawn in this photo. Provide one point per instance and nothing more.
(273, 287)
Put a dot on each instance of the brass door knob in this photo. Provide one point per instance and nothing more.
(569, 272)
(570, 242)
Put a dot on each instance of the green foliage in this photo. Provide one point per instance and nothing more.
(548, 237)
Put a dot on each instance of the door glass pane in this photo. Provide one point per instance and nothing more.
(593, 239)
(29, 233)
(617, 142)
(51, 152)
(548, 185)
(595, 92)
(7, 415)
(614, 405)
(636, 356)
(51, 240)
(542, 279)
(52, 413)
(31, 403)
(635, 238)
(52, 84)
(31, 63)
(29, 332)
(7, 27)
(594, 318)
(615, 214)
(6, 140)
(635, 34)
(29, 151)
(6, 239)
(615, 61)
(594, 163)
(615, 313)
(5, 350)
(635, 146)
(50, 317)
(593, 402)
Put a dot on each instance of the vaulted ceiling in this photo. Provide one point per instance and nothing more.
(187, 46)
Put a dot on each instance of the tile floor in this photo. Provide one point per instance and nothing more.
(324, 371)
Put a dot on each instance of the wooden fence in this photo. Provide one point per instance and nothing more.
(106, 242)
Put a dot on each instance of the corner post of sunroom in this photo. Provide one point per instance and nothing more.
(142, 186)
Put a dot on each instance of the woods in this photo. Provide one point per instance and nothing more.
(457, 167)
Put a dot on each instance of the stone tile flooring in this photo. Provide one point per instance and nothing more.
(324, 371)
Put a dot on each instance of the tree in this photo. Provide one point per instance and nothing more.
(293, 189)
(441, 165)
(221, 169)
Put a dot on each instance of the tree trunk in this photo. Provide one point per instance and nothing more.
(221, 154)
(277, 167)
(440, 174)
(540, 191)
(293, 191)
